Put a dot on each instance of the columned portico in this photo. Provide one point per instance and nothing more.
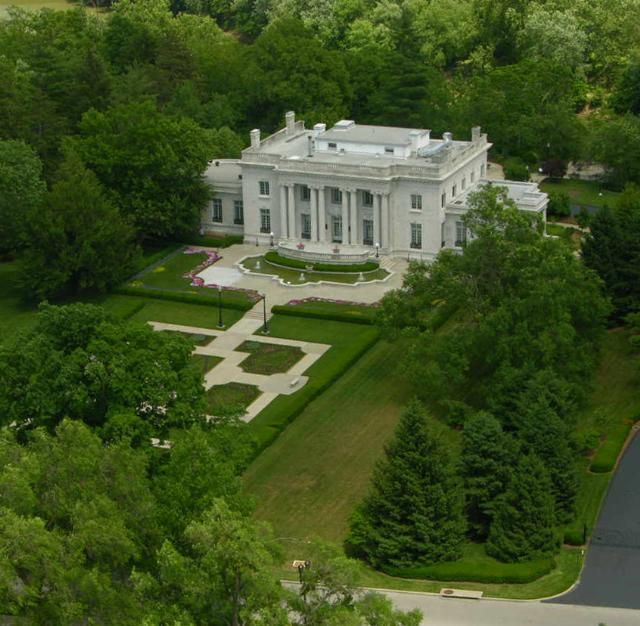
(377, 201)
(385, 237)
(354, 217)
(345, 215)
(322, 218)
(291, 209)
(314, 213)
(284, 227)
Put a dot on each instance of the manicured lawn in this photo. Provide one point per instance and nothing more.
(299, 277)
(169, 275)
(196, 338)
(573, 236)
(202, 315)
(348, 343)
(268, 358)
(581, 192)
(230, 399)
(205, 362)
(309, 480)
(15, 315)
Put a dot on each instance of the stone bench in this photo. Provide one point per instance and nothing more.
(461, 593)
(294, 382)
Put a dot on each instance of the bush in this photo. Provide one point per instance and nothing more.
(276, 259)
(559, 204)
(478, 572)
(230, 299)
(574, 536)
(516, 169)
(583, 217)
(284, 409)
(211, 241)
(607, 455)
(329, 311)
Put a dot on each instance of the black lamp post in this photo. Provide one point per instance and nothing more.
(265, 328)
(271, 240)
(220, 324)
(377, 249)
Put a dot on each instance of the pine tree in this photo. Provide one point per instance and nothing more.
(523, 525)
(486, 460)
(414, 511)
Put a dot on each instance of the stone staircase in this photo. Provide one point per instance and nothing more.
(387, 263)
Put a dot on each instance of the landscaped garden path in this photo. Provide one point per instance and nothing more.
(229, 345)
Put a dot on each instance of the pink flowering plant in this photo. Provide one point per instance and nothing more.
(211, 257)
(329, 300)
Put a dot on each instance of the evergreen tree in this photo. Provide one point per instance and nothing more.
(523, 525)
(414, 510)
(486, 456)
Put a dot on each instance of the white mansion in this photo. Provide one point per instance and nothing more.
(395, 189)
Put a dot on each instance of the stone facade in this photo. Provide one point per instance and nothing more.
(395, 189)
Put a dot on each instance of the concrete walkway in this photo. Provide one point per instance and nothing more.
(224, 344)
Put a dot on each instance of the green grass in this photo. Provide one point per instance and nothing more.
(268, 358)
(581, 192)
(572, 236)
(169, 275)
(340, 312)
(292, 276)
(348, 343)
(200, 315)
(215, 242)
(205, 362)
(230, 399)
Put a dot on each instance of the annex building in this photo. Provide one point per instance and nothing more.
(354, 189)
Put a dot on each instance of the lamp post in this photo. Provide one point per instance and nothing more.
(377, 249)
(265, 328)
(271, 239)
(220, 324)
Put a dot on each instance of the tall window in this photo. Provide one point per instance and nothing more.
(416, 235)
(216, 213)
(443, 199)
(264, 187)
(265, 221)
(416, 202)
(336, 229)
(454, 190)
(472, 176)
(306, 226)
(461, 234)
(238, 212)
(336, 196)
(482, 170)
(464, 183)
(367, 198)
(305, 192)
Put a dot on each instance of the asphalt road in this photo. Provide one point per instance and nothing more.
(611, 575)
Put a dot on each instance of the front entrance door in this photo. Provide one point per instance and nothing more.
(306, 226)
(367, 232)
(336, 229)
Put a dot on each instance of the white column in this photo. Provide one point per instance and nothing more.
(291, 210)
(345, 216)
(354, 216)
(322, 217)
(314, 213)
(385, 234)
(284, 230)
(376, 219)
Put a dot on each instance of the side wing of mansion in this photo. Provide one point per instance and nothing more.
(395, 189)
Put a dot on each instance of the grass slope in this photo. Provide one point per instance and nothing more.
(581, 192)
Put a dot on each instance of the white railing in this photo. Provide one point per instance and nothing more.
(316, 256)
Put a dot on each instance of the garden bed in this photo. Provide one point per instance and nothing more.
(268, 358)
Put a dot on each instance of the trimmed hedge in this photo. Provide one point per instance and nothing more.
(330, 311)
(478, 572)
(215, 242)
(230, 299)
(276, 259)
(607, 455)
(269, 423)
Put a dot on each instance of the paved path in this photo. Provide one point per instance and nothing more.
(611, 575)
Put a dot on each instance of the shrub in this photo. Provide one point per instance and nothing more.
(516, 169)
(583, 217)
(478, 572)
(212, 241)
(230, 299)
(559, 204)
(276, 259)
(328, 311)
(574, 536)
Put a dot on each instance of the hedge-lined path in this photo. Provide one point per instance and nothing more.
(224, 344)
(612, 567)
(280, 294)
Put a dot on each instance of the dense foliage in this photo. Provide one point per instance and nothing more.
(511, 328)
(413, 512)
